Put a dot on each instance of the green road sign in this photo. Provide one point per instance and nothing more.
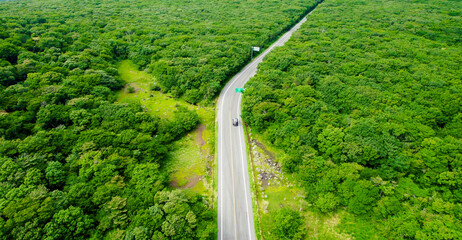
(239, 90)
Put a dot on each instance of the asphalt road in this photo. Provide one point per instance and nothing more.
(235, 216)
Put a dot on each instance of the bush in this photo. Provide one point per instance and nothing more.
(288, 224)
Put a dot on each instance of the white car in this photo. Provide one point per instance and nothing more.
(235, 122)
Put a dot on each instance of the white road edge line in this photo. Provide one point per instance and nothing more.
(220, 165)
(243, 169)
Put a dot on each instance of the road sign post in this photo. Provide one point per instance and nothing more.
(256, 49)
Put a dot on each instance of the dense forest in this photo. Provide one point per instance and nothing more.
(75, 163)
(366, 100)
(191, 47)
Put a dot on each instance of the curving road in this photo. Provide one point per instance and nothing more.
(235, 216)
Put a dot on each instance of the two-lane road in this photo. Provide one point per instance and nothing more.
(235, 216)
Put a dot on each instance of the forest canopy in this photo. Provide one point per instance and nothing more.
(366, 100)
(192, 47)
(77, 164)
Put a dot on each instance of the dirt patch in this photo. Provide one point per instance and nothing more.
(199, 138)
(193, 181)
(265, 177)
(264, 183)
(273, 164)
(174, 184)
(263, 147)
(269, 157)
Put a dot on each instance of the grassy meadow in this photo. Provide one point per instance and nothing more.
(190, 159)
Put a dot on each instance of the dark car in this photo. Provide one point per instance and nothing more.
(235, 122)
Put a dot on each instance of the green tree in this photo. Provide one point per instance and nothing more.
(33, 177)
(330, 141)
(183, 213)
(55, 174)
(327, 202)
(364, 198)
(114, 214)
(69, 223)
(287, 224)
(8, 51)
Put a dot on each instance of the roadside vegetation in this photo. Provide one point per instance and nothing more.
(276, 190)
(365, 103)
(90, 149)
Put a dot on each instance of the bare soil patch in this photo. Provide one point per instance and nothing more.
(265, 177)
(199, 138)
(174, 184)
(193, 181)
(263, 147)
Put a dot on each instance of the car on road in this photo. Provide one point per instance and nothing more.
(235, 122)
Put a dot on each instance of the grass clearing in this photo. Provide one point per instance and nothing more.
(358, 227)
(325, 226)
(187, 165)
(191, 159)
(155, 102)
